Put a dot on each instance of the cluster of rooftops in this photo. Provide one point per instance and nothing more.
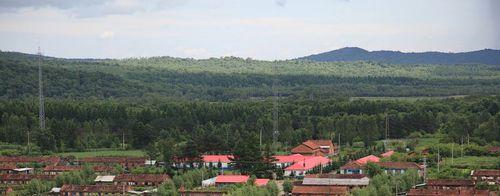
(305, 157)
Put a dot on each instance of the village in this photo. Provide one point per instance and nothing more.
(311, 168)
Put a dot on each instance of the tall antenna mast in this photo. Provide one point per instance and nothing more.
(275, 104)
(41, 112)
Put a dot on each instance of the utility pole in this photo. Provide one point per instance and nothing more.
(41, 111)
(123, 140)
(260, 139)
(439, 157)
(386, 131)
(29, 146)
(339, 146)
(452, 145)
(275, 104)
(425, 169)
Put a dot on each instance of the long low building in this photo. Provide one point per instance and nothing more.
(48, 160)
(94, 190)
(307, 164)
(389, 167)
(126, 162)
(24, 178)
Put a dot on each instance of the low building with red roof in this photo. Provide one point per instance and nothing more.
(449, 192)
(57, 169)
(223, 180)
(24, 178)
(7, 168)
(48, 160)
(126, 162)
(94, 189)
(316, 148)
(307, 164)
(214, 160)
(283, 161)
(300, 190)
(387, 154)
(489, 176)
(369, 158)
(449, 184)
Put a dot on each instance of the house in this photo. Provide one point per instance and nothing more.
(307, 164)
(214, 160)
(316, 148)
(58, 169)
(489, 176)
(355, 167)
(24, 178)
(300, 190)
(283, 161)
(446, 184)
(369, 158)
(387, 154)
(7, 168)
(47, 160)
(140, 179)
(449, 192)
(350, 181)
(108, 179)
(53, 169)
(224, 180)
(201, 192)
(494, 150)
(67, 190)
(261, 182)
(125, 162)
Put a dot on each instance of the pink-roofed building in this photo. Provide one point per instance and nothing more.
(387, 154)
(213, 160)
(261, 182)
(369, 158)
(283, 161)
(307, 164)
(223, 180)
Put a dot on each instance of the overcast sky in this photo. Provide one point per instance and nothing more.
(260, 29)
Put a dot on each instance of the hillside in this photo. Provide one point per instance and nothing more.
(486, 56)
(236, 78)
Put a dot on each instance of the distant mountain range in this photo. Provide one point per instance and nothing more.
(486, 56)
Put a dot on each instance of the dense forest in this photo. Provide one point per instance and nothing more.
(98, 103)
(231, 78)
(213, 127)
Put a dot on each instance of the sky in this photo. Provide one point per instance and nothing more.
(259, 29)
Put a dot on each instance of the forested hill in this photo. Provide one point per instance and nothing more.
(228, 78)
(486, 56)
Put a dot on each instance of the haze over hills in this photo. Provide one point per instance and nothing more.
(486, 56)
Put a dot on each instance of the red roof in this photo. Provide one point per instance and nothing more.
(217, 158)
(309, 163)
(387, 154)
(231, 179)
(95, 188)
(261, 181)
(447, 192)
(293, 158)
(26, 159)
(449, 182)
(7, 166)
(319, 190)
(369, 158)
(141, 178)
(486, 173)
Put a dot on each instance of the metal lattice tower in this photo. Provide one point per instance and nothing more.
(41, 112)
(275, 104)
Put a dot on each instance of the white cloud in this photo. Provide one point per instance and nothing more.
(107, 35)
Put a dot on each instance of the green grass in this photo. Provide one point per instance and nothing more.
(133, 153)
(473, 162)
(427, 141)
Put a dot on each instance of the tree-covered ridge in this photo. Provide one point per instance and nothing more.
(486, 56)
(235, 78)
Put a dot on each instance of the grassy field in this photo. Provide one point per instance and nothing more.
(473, 162)
(134, 153)
(427, 141)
